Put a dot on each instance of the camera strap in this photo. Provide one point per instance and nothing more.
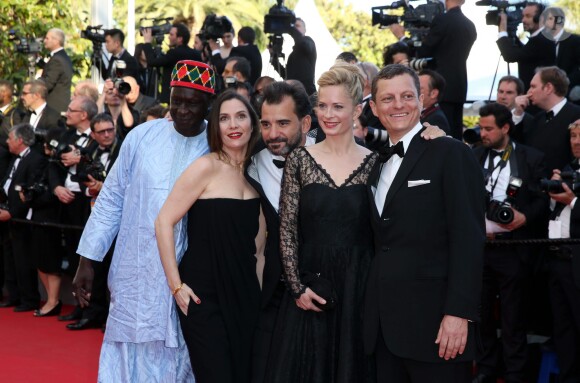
(506, 156)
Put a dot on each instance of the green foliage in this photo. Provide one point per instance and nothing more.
(353, 30)
(572, 9)
(32, 19)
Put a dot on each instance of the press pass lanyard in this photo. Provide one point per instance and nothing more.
(501, 164)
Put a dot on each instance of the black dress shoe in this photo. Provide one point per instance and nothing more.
(84, 324)
(9, 304)
(24, 308)
(53, 312)
(77, 314)
(483, 378)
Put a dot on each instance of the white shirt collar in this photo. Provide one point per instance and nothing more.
(55, 51)
(558, 107)
(40, 109)
(537, 32)
(408, 137)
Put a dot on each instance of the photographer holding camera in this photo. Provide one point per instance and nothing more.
(515, 210)
(564, 266)
(113, 101)
(301, 62)
(114, 39)
(449, 42)
(538, 52)
(179, 36)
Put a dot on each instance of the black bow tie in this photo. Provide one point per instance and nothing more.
(387, 152)
(101, 151)
(279, 163)
(549, 115)
(494, 153)
(33, 112)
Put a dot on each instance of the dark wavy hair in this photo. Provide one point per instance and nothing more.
(214, 137)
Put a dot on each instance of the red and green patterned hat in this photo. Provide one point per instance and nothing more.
(193, 74)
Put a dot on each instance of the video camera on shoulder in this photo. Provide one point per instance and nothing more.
(501, 211)
(24, 44)
(31, 192)
(571, 178)
(278, 21)
(158, 31)
(214, 27)
(417, 20)
(514, 17)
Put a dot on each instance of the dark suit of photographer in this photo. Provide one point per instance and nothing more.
(564, 267)
(301, 62)
(505, 268)
(178, 39)
(104, 149)
(449, 41)
(114, 39)
(22, 172)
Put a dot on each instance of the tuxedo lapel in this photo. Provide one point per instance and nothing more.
(416, 149)
(372, 183)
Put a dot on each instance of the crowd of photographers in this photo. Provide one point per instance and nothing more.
(55, 152)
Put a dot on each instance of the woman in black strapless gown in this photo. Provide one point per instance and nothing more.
(325, 230)
(216, 286)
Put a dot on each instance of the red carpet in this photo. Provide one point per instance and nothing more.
(43, 350)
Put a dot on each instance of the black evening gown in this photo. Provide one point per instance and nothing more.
(325, 228)
(220, 267)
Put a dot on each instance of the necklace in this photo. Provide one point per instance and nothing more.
(226, 160)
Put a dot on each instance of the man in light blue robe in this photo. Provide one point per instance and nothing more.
(143, 340)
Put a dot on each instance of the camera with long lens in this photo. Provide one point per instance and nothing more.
(24, 44)
(501, 211)
(31, 192)
(214, 27)
(514, 16)
(472, 136)
(417, 20)
(418, 64)
(571, 178)
(158, 30)
(376, 136)
(278, 21)
(121, 85)
(89, 167)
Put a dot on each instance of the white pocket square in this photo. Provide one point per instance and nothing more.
(418, 183)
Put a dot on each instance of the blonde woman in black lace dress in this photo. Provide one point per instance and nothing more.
(325, 236)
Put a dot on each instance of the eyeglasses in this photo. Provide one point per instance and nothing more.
(105, 131)
(73, 110)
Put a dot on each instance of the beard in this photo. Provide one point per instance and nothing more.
(290, 144)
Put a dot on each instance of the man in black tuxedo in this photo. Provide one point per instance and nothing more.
(512, 172)
(432, 89)
(57, 72)
(114, 39)
(104, 149)
(449, 41)
(10, 115)
(508, 88)
(75, 204)
(428, 223)
(179, 36)
(301, 63)
(39, 114)
(247, 49)
(564, 266)
(567, 47)
(285, 125)
(23, 171)
(537, 52)
(548, 130)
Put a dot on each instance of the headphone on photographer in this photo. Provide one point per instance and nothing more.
(540, 8)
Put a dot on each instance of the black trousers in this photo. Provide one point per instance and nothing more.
(25, 269)
(98, 308)
(503, 273)
(75, 213)
(8, 267)
(454, 113)
(565, 299)
(394, 369)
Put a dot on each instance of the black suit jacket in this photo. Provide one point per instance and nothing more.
(575, 233)
(50, 119)
(568, 58)
(25, 175)
(167, 62)
(429, 243)
(57, 75)
(449, 41)
(435, 116)
(301, 64)
(530, 200)
(539, 51)
(132, 68)
(143, 102)
(252, 53)
(552, 138)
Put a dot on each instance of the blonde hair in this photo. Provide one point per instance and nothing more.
(347, 75)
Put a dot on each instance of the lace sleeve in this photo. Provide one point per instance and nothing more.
(289, 207)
